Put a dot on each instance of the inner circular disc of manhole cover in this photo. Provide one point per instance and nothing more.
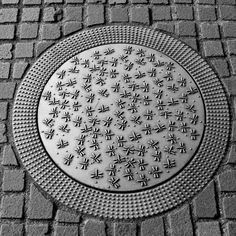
(121, 122)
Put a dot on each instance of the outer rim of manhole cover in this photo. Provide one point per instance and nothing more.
(109, 204)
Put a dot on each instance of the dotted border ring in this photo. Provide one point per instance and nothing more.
(120, 205)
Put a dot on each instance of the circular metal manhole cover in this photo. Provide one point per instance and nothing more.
(121, 122)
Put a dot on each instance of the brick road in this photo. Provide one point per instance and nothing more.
(29, 27)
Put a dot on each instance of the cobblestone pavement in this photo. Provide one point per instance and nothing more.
(29, 27)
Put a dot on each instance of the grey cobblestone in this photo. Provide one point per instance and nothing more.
(227, 12)
(206, 13)
(229, 29)
(94, 228)
(39, 206)
(169, 27)
(229, 2)
(213, 48)
(140, 15)
(229, 206)
(65, 216)
(186, 28)
(12, 206)
(192, 42)
(9, 157)
(230, 229)
(232, 152)
(8, 15)
(28, 31)
(206, 2)
(3, 110)
(117, 2)
(159, 1)
(7, 31)
(161, 13)
(4, 70)
(96, 1)
(208, 229)
(51, 31)
(139, 1)
(7, 2)
(71, 27)
(233, 65)
(32, 2)
(119, 14)
(37, 230)
(7, 90)
(11, 229)
(151, 226)
(125, 229)
(231, 45)
(184, 12)
(61, 230)
(73, 14)
(180, 222)
(183, 1)
(13, 180)
(19, 69)
(74, 1)
(49, 14)
(23, 50)
(42, 46)
(227, 181)
(209, 30)
(30, 14)
(5, 51)
(205, 203)
(95, 15)
(53, 1)
(221, 67)
(3, 137)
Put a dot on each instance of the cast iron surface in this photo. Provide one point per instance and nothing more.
(121, 122)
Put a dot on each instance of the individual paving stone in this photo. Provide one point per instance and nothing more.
(139, 1)
(9, 157)
(227, 181)
(96, 1)
(13, 180)
(117, 1)
(208, 229)
(213, 48)
(180, 222)
(5, 2)
(119, 14)
(12, 206)
(227, 12)
(53, 1)
(159, 1)
(30, 14)
(28, 31)
(140, 15)
(231, 45)
(4, 70)
(5, 51)
(221, 67)
(151, 226)
(229, 207)
(12, 229)
(161, 13)
(229, 2)
(95, 15)
(49, 14)
(209, 2)
(37, 230)
(233, 65)
(51, 31)
(19, 69)
(230, 85)
(205, 203)
(169, 27)
(73, 14)
(192, 42)
(32, 2)
(74, 1)
(231, 229)
(186, 28)
(7, 90)
(125, 229)
(183, 1)
(229, 29)
(209, 31)
(184, 12)
(42, 46)
(232, 152)
(3, 110)
(7, 31)
(206, 13)
(65, 216)
(94, 228)
(61, 230)
(8, 15)
(71, 27)
(23, 50)
(3, 138)
(39, 206)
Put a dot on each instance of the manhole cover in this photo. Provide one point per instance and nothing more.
(121, 122)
